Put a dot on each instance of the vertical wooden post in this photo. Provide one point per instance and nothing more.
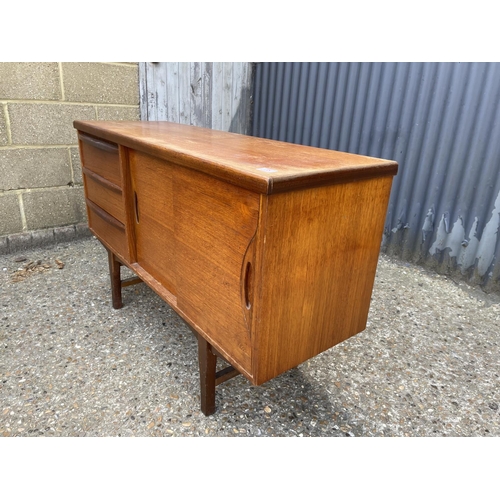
(208, 365)
(116, 285)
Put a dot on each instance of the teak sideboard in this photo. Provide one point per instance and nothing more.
(267, 250)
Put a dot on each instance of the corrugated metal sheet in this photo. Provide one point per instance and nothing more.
(206, 94)
(440, 121)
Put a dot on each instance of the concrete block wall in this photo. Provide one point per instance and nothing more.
(41, 191)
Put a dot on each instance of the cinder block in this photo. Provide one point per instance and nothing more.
(82, 230)
(4, 138)
(54, 207)
(66, 233)
(19, 242)
(118, 113)
(4, 245)
(10, 214)
(101, 83)
(42, 237)
(32, 168)
(39, 124)
(77, 165)
(30, 80)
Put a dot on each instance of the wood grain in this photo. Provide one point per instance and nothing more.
(267, 250)
(319, 250)
(101, 157)
(129, 202)
(214, 224)
(110, 231)
(106, 195)
(208, 94)
(152, 199)
(259, 165)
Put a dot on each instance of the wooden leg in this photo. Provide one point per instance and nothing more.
(208, 365)
(116, 286)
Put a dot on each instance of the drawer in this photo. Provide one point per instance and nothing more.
(105, 194)
(101, 157)
(108, 229)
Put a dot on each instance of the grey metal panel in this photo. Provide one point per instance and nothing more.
(440, 121)
(207, 94)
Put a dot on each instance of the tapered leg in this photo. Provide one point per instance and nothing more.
(116, 286)
(208, 365)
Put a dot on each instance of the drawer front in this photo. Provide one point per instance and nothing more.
(101, 157)
(104, 194)
(108, 229)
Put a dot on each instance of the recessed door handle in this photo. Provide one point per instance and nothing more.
(247, 284)
(136, 208)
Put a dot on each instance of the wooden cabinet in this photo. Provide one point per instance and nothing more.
(267, 250)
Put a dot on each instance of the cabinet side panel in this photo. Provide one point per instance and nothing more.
(318, 267)
(214, 226)
(152, 200)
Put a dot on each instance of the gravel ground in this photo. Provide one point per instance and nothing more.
(70, 365)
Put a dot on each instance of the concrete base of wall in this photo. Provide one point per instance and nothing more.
(41, 238)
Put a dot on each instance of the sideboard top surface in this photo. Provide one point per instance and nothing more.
(261, 165)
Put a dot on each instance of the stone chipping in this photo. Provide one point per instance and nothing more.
(426, 365)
